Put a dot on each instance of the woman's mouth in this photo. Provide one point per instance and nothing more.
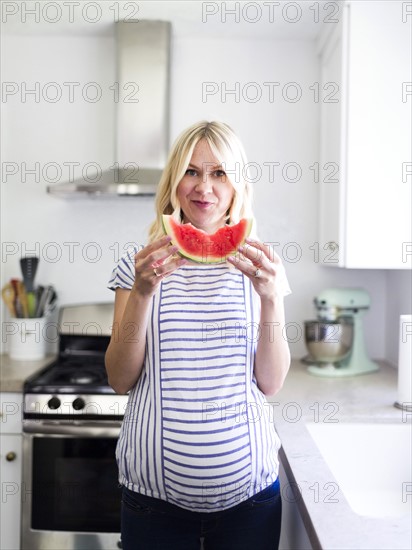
(202, 204)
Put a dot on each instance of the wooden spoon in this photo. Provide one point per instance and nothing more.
(8, 296)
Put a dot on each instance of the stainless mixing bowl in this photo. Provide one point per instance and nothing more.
(329, 341)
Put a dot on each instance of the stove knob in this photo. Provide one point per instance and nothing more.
(78, 404)
(54, 403)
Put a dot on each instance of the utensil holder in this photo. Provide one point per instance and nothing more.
(26, 338)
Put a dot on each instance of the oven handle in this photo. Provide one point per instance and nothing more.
(82, 428)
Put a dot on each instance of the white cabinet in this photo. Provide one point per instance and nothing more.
(365, 207)
(10, 469)
(293, 534)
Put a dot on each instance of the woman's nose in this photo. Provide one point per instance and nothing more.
(204, 185)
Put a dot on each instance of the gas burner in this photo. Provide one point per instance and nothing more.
(70, 377)
(83, 378)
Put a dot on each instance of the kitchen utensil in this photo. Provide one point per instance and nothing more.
(8, 296)
(31, 303)
(335, 340)
(39, 292)
(50, 298)
(41, 302)
(17, 305)
(50, 304)
(22, 298)
(46, 302)
(329, 341)
(28, 268)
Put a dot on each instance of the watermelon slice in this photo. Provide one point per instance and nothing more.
(199, 246)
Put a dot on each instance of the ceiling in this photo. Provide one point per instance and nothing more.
(241, 20)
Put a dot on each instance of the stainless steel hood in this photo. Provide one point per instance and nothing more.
(142, 126)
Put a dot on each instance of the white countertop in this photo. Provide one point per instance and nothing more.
(13, 373)
(307, 398)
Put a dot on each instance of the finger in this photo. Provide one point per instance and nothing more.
(158, 257)
(255, 254)
(152, 247)
(167, 269)
(245, 266)
(268, 250)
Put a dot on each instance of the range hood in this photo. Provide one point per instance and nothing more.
(142, 127)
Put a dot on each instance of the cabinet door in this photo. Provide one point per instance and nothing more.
(11, 491)
(331, 219)
(378, 198)
(293, 532)
(367, 208)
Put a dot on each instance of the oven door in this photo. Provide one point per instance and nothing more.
(71, 497)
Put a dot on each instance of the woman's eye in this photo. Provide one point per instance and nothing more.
(190, 172)
(220, 173)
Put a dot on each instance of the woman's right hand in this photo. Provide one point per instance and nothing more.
(154, 263)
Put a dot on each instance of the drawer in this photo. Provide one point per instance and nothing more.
(11, 413)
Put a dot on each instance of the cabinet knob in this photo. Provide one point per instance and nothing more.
(11, 456)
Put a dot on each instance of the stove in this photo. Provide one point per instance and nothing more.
(71, 423)
(75, 384)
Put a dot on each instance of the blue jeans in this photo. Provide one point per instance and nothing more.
(152, 524)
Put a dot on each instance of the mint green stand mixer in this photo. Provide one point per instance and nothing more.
(335, 341)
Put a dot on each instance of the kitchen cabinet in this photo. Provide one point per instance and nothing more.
(365, 145)
(293, 533)
(10, 469)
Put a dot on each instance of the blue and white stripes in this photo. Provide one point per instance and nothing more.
(197, 431)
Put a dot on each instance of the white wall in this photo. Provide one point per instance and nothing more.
(278, 131)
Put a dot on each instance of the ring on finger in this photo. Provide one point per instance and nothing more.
(258, 272)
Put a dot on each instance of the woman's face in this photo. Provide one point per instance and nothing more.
(205, 192)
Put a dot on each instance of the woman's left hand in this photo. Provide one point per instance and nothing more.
(262, 265)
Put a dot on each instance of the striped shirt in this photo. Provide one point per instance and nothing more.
(197, 430)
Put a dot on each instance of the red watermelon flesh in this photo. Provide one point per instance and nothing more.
(199, 246)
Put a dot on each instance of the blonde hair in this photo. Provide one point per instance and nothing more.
(229, 152)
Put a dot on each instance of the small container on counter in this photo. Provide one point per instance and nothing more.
(404, 399)
(26, 338)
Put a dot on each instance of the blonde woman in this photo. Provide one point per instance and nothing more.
(199, 347)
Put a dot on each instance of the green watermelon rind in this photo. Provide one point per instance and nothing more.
(168, 229)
